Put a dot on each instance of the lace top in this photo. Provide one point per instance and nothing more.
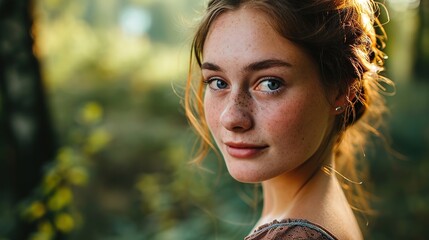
(290, 229)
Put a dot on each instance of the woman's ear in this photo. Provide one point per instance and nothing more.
(343, 99)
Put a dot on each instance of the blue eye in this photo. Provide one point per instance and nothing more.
(269, 85)
(217, 84)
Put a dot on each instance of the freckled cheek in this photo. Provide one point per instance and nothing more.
(285, 122)
(300, 127)
(283, 125)
(212, 113)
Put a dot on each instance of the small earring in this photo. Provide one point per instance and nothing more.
(339, 109)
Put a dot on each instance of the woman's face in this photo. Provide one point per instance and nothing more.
(264, 102)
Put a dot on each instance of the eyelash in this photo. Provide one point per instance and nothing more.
(279, 81)
(208, 81)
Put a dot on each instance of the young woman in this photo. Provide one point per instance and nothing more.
(288, 90)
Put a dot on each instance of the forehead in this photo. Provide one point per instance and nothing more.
(238, 26)
(246, 35)
(244, 16)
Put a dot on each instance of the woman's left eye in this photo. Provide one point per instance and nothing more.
(269, 85)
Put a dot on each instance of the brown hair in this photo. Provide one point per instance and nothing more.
(341, 37)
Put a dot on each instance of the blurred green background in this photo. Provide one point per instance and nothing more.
(94, 143)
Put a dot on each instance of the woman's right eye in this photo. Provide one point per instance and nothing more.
(217, 83)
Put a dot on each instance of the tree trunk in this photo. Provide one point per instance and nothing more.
(422, 58)
(26, 139)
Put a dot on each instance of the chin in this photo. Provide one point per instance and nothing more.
(247, 176)
(246, 179)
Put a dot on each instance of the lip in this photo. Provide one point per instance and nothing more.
(244, 150)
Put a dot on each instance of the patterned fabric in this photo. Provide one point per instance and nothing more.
(296, 229)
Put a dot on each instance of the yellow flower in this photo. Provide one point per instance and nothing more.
(60, 199)
(45, 231)
(78, 176)
(65, 156)
(149, 185)
(97, 140)
(35, 210)
(46, 227)
(64, 222)
(41, 236)
(50, 181)
(91, 112)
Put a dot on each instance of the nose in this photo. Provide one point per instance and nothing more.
(236, 115)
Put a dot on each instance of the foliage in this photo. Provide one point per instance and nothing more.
(123, 170)
(51, 205)
(400, 179)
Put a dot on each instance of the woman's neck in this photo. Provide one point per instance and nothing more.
(282, 193)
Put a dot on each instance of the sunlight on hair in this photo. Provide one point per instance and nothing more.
(328, 170)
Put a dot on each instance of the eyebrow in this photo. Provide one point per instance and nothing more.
(266, 64)
(210, 66)
(256, 66)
